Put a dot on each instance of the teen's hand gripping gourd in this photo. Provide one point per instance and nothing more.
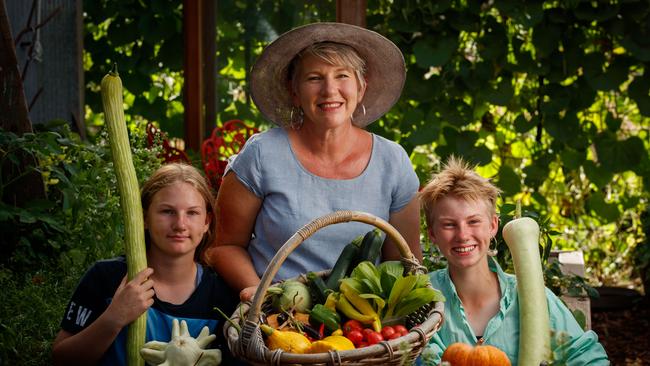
(522, 237)
(136, 259)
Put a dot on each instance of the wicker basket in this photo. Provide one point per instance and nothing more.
(249, 344)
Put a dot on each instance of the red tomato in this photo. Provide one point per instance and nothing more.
(351, 325)
(362, 344)
(355, 336)
(374, 337)
(387, 331)
(366, 331)
(394, 335)
(400, 329)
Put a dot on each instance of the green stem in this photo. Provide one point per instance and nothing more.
(517, 210)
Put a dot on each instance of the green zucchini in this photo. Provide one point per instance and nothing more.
(318, 287)
(344, 263)
(371, 246)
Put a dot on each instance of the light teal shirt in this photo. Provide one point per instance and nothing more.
(502, 331)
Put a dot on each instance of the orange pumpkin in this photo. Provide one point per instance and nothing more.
(461, 354)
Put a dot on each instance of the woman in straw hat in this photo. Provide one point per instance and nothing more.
(321, 84)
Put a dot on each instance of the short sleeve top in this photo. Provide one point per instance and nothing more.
(292, 197)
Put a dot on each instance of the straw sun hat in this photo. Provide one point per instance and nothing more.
(385, 71)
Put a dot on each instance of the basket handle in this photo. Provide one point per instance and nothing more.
(306, 231)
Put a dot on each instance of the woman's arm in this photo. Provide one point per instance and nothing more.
(407, 222)
(237, 210)
(88, 346)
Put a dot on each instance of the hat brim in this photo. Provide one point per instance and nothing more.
(385, 70)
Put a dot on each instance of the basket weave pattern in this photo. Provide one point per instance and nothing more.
(249, 344)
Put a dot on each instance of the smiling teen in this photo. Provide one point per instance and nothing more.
(321, 84)
(482, 305)
(179, 220)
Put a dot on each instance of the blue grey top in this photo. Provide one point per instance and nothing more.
(292, 197)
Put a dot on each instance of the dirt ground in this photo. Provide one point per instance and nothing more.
(625, 334)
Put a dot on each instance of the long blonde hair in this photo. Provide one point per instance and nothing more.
(171, 173)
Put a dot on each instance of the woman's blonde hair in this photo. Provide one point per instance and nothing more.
(171, 173)
(334, 54)
(457, 179)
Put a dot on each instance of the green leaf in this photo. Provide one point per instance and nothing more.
(571, 158)
(402, 287)
(427, 55)
(378, 300)
(502, 93)
(607, 211)
(416, 299)
(535, 174)
(522, 125)
(546, 39)
(563, 130)
(595, 11)
(479, 155)
(509, 181)
(638, 91)
(425, 133)
(389, 272)
(619, 156)
(598, 175)
(641, 52)
(613, 123)
(367, 273)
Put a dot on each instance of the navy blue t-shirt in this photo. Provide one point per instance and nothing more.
(97, 287)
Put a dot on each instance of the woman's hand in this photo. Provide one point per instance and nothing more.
(131, 298)
(247, 293)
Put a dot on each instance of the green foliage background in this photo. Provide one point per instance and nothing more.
(548, 98)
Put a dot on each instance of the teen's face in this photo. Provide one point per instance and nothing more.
(462, 229)
(177, 219)
(327, 94)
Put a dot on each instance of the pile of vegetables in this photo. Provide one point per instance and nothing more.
(357, 305)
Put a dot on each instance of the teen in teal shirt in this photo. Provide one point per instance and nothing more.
(482, 302)
(502, 331)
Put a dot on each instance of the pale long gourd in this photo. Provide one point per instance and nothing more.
(127, 181)
(522, 237)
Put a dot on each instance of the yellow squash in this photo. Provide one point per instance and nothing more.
(331, 343)
(287, 341)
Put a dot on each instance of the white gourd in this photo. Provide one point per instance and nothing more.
(522, 237)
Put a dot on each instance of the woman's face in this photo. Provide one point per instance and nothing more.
(462, 229)
(327, 94)
(177, 219)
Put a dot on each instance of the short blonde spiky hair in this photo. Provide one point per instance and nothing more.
(458, 179)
